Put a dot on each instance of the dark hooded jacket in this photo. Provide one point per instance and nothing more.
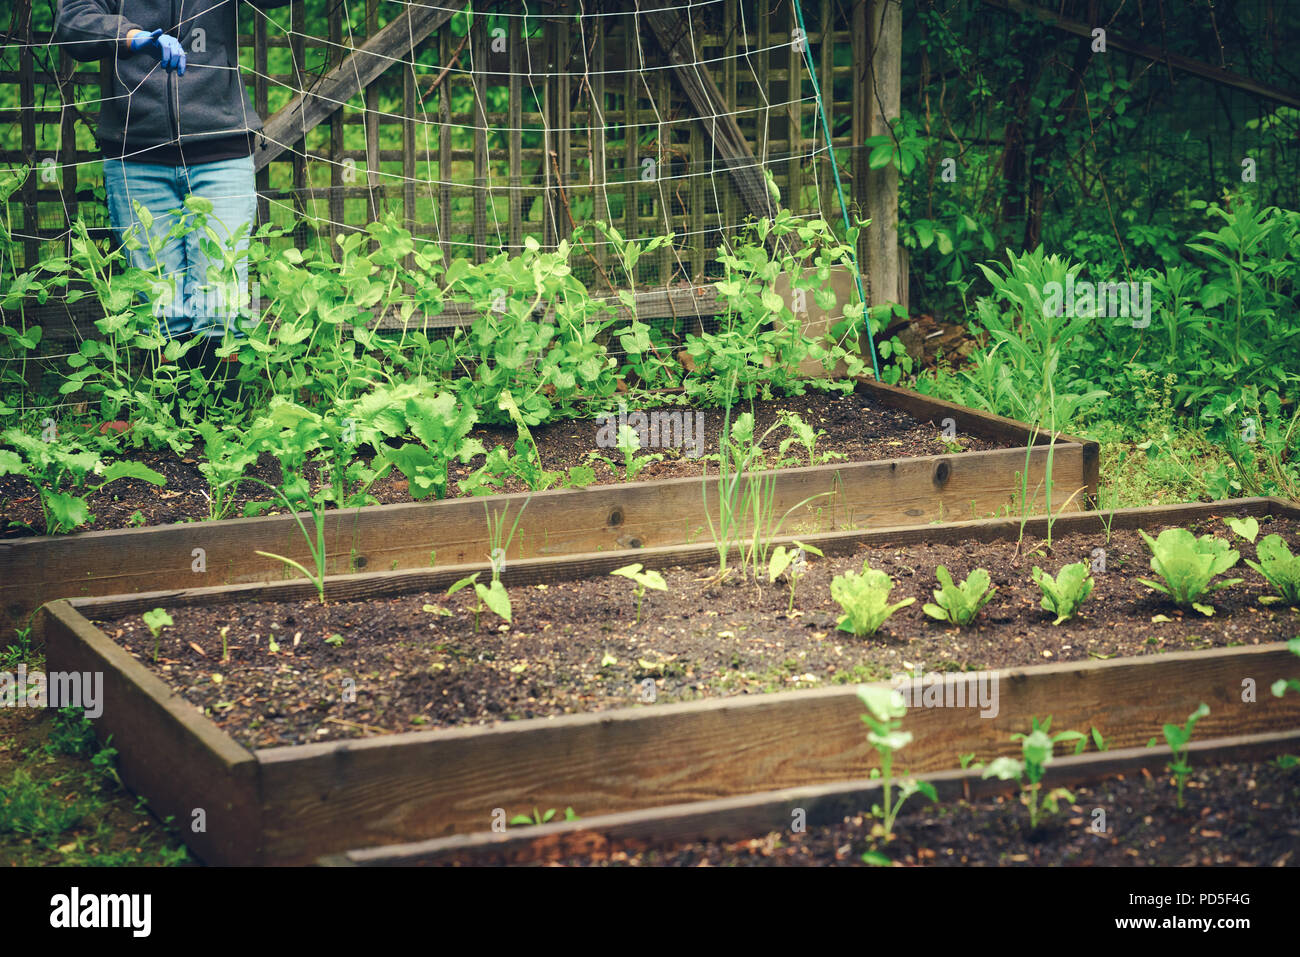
(149, 112)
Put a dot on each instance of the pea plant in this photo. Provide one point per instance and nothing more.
(791, 562)
(642, 579)
(1179, 737)
(884, 720)
(492, 597)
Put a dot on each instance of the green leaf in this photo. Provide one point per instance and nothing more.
(495, 597)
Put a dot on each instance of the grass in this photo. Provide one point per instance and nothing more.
(61, 802)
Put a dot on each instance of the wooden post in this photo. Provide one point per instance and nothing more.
(596, 131)
(631, 133)
(68, 136)
(445, 175)
(663, 168)
(376, 191)
(881, 92)
(516, 122)
(298, 46)
(826, 191)
(262, 105)
(336, 205)
(730, 23)
(796, 63)
(478, 56)
(27, 100)
(563, 122)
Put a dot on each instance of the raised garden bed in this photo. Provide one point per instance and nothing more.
(908, 488)
(289, 804)
(1238, 810)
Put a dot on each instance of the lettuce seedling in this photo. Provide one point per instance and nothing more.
(1247, 528)
(865, 600)
(791, 562)
(494, 597)
(1280, 567)
(885, 711)
(1036, 749)
(1178, 738)
(644, 580)
(960, 604)
(1063, 595)
(1188, 564)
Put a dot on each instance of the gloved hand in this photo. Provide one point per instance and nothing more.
(166, 48)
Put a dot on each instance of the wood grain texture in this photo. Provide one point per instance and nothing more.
(168, 752)
(756, 815)
(385, 790)
(882, 493)
(570, 567)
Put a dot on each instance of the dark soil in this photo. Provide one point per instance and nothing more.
(1234, 815)
(575, 646)
(857, 429)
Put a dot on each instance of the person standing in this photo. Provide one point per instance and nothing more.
(176, 122)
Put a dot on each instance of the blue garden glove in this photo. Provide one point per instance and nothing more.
(166, 48)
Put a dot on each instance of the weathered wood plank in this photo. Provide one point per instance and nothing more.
(532, 571)
(756, 815)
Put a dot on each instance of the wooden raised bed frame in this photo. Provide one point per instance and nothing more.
(885, 492)
(755, 815)
(290, 805)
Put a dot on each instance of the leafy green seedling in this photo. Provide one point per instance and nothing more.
(865, 600)
(494, 596)
(334, 640)
(56, 467)
(643, 580)
(885, 711)
(1036, 749)
(157, 620)
(1280, 567)
(1188, 564)
(1283, 685)
(960, 604)
(791, 562)
(805, 435)
(538, 819)
(1063, 595)
(629, 443)
(1247, 528)
(1178, 739)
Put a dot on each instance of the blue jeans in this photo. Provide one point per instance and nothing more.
(187, 299)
